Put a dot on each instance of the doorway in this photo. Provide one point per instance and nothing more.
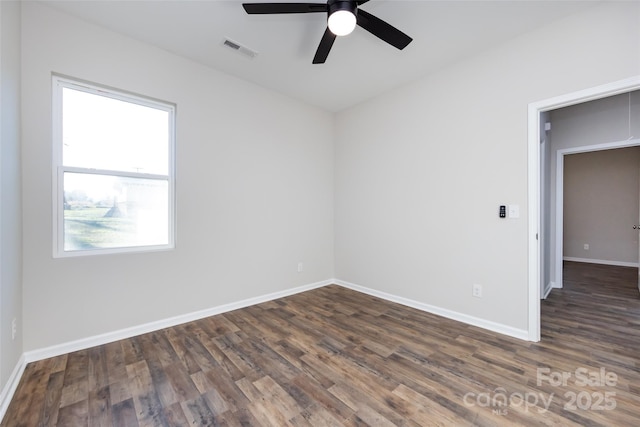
(561, 228)
(536, 126)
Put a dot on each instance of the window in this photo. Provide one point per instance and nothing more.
(113, 170)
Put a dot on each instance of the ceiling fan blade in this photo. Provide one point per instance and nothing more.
(324, 47)
(272, 8)
(382, 30)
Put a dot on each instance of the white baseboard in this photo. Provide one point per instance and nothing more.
(601, 261)
(84, 343)
(10, 387)
(460, 317)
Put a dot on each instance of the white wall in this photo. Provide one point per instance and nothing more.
(254, 189)
(421, 171)
(601, 205)
(10, 191)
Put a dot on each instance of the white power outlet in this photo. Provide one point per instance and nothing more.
(586, 246)
(300, 267)
(14, 328)
(476, 290)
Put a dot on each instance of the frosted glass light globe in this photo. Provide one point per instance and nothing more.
(342, 22)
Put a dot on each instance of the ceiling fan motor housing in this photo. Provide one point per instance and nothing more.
(336, 5)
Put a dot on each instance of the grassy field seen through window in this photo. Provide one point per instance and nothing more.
(93, 228)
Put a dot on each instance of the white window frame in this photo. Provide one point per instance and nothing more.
(58, 169)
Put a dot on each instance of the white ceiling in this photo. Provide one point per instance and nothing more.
(359, 67)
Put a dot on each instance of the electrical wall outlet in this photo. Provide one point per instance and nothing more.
(14, 328)
(476, 290)
(586, 246)
(300, 267)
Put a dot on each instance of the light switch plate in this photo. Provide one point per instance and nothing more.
(514, 211)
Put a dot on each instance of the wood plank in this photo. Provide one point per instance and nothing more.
(120, 391)
(52, 398)
(116, 367)
(100, 408)
(198, 413)
(124, 414)
(97, 369)
(174, 415)
(278, 397)
(75, 414)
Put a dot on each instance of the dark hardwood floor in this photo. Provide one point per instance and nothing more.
(335, 357)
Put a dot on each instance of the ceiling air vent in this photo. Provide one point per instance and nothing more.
(239, 48)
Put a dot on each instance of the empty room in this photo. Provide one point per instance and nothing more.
(217, 213)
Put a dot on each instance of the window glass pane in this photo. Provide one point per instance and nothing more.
(103, 211)
(99, 132)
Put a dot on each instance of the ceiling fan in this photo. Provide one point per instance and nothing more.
(342, 17)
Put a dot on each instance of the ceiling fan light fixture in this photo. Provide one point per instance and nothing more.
(342, 22)
(342, 17)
